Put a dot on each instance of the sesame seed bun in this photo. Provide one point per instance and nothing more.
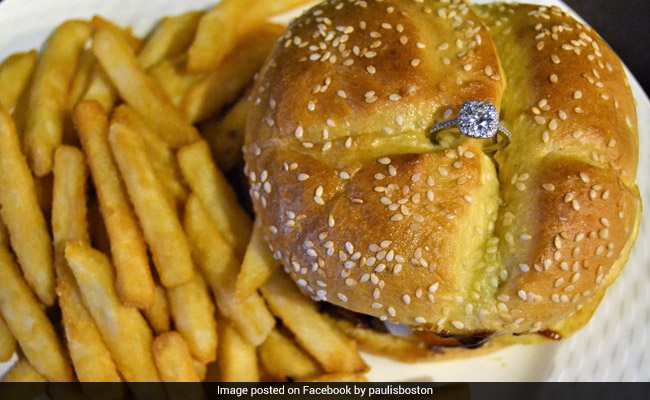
(367, 213)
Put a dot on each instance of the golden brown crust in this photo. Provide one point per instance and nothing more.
(367, 213)
(572, 203)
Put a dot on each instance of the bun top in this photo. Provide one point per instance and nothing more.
(367, 213)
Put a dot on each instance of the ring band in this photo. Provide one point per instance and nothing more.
(480, 120)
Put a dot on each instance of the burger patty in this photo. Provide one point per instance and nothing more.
(430, 339)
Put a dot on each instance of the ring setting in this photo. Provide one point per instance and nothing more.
(480, 120)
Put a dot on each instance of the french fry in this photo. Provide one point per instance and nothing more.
(69, 207)
(173, 358)
(258, 265)
(78, 87)
(162, 229)
(219, 266)
(29, 324)
(91, 358)
(7, 341)
(160, 153)
(15, 74)
(282, 359)
(193, 313)
(23, 371)
(135, 284)
(158, 313)
(225, 135)
(140, 90)
(223, 85)
(220, 29)
(334, 351)
(123, 328)
(98, 23)
(21, 213)
(215, 194)
(236, 357)
(100, 87)
(81, 79)
(172, 37)
(200, 369)
(173, 79)
(214, 35)
(48, 94)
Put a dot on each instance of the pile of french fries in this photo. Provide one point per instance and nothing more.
(116, 211)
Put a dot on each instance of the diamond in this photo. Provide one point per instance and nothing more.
(478, 119)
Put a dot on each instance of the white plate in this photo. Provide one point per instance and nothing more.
(614, 346)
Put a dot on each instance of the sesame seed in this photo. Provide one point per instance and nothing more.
(458, 324)
(575, 205)
(415, 62)
(303, 177)
(384, 161)
(406, 299)
(420, 320)
(577, 94)
(371, 70)
(342, 297)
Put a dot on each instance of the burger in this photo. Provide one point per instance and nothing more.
(421, 243)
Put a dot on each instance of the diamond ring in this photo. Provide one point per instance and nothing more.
(478, 119)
